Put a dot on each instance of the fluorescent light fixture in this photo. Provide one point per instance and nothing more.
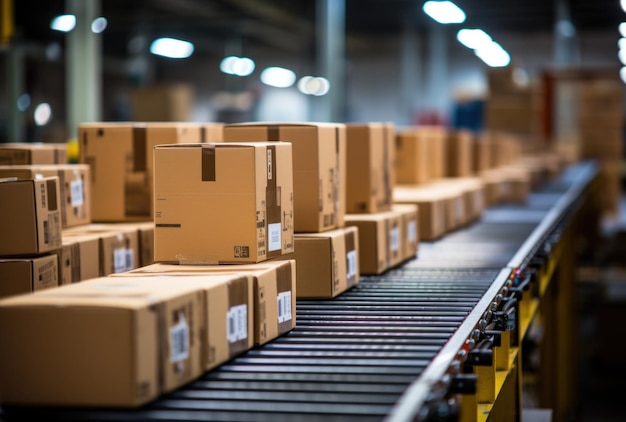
(99, 24)
(238, 66)
(622, 74)
(473, 38)
(621, 55)
(623, 3)
(311, 85)
(42, 114)
(444, 11)
(622, 29)
(63, 23)
(621, 43)
(493, 55)
(278, 77)
(172, 48)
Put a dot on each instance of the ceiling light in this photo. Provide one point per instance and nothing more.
(43, 113)
(63, 23)
(99, 24)
(23, 102)
(473, 38)
(238, 66)
(621, 43)
(311, 85)
(493, 55)
(172, 48)
(278, 77)
(622, 74)
(444, 11)
(623, 3)
(622, 29)
(621, 55)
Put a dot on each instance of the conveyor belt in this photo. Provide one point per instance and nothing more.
(372, 353)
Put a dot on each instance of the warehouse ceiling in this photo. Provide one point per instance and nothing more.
(289, 25)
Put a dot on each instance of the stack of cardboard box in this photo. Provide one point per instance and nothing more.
(601, 119)
(388, 235)
(326, 251)
(435, 171)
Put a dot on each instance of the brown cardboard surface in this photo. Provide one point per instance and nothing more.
(413, 155)
(410, 219)
(211, 132)
(30, 216)
(79, 258)
(379, 240)
(74, 186)
(481, 153)
(370, 168)
(432, 208)
(459, 152)
(121, 160)
(319, 167)
(33, 153)
(26, 275)
(145, 234)
(119, 246)
(327, 263)
(162, 102)
(223, 203)
(136, 338)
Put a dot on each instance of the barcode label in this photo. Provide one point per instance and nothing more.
(284, 307)
(179, 341)
(269, 164)
(76, 194)
(237, 320)
(351, 264)
(395, 239)
(43, 196)
(46, 232)
(412, 231)
(274, 232)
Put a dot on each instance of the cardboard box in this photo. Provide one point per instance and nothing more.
(137, 339)
(74, 186)
(211, 133)
(163, 103)
(319, 168)
(30, 216)
(26, 275)
(272, 296)
(119, 246)
(481, 153)
(413, 158)
(611, 173)
(327, 263)
(459, 150)
(33, 153)
(145, 236)
(121, 160)
(228, 299)
(438, 151)
(380, 240)
(410, 222)
(79, 258)
(223, 203)
(432, 209)
(370, 162)
(469, 190)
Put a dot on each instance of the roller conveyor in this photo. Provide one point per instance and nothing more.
(379, 351)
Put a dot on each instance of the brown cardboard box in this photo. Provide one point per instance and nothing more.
(370, 166)
(79, 258)
(611, 172)
(33, 153)
(163, 103)
(482, 153)
(119, 246)
(413, 158)
(409, 215)
(26, 275)
(272, 293)
(223, 203)
(327, 263)
(211, 133)
(30, 216)
(145, 235)
(438, 151)
(121, 160)
(229, 303)
(432, 208)
(74, 186)
(459, 153)
(471, 190)
(319, 168)
(137, 339)
(380, 240)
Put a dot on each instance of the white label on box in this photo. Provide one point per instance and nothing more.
(237, 320)
(284, 306)
(269, 164)
(274, 232)
(76, 195)
(395, 239)
(412, 231)
(350, 264)
(123, 260)
(179, 340)
(130, 259)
